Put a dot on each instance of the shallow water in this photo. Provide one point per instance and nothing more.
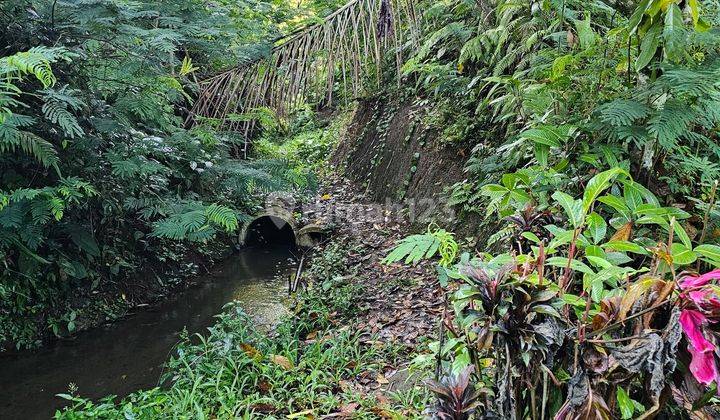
(128, 355)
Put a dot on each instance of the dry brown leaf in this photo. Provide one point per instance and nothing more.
(623, 234)
(382, 399)
(349, 408)
(264, 386)
(382, 413)
(571, 39)
(263, 408)
(634, 292)
(281, 361)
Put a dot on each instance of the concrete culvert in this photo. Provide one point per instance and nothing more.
(268, 230)
(311, 235)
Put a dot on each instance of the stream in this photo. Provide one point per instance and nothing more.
(128, 355)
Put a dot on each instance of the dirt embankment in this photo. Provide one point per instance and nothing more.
(389, 150)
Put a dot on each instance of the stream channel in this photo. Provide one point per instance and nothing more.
(128, 355)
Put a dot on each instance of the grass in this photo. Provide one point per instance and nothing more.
(306, 368)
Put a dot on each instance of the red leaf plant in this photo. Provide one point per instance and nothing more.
(701, 308)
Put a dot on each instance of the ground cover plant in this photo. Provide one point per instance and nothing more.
(581, 316)
(590, 307)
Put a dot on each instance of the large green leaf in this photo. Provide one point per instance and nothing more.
(541, 153)
(549, 135)
(573, 208)
(694, 11)
(83, 239)
(682, 235)
(649, 46)
(596, 227)
(673, 33)
(574, 264)
(682, 255)
(618, 204)
(636, 17)
(626, 246)
(597, 185)
(625, 403)
(710, 252)
(585, 33)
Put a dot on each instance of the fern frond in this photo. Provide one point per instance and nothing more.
(12, 215)
(57, 113)
(222, 216)
(686, 81)
(12, 139)
(670, 122)
(454, 33)
(413, 249)
(622, 112)
(472, 51)
(136, 166)
(36, 61)
(196, 222)
(187, 66)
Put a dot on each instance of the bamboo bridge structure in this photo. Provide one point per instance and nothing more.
(350, 47)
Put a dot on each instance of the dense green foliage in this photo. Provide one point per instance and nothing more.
(306, 141)
(613, 102)
(572, 283)
(99, 177)
(548, 83)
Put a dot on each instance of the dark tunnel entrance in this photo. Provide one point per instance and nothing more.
(268, 231)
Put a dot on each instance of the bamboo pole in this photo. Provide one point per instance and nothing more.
(349, 43)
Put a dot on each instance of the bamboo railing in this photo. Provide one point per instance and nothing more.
(347, 47)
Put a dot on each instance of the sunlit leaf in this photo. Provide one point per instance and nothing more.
(596, 227)
(681, 255)
(281, 361)
(625, 403)
(597, 185)
(572, 207)
(711, 253)
(574, 264)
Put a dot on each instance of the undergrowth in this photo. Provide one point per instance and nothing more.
(307, 141)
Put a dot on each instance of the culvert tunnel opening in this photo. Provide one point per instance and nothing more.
(270, 231)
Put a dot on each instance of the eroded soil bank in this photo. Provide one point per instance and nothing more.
(392, 154)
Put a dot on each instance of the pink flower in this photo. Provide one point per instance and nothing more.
(707, 301)
(701, 304)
